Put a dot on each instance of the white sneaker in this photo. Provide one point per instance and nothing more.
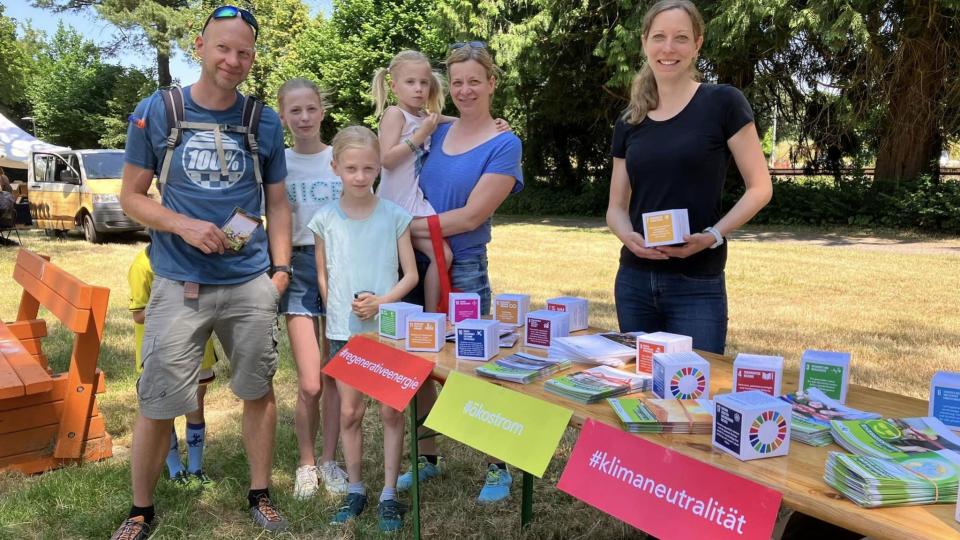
(334, 478)
(306, 484)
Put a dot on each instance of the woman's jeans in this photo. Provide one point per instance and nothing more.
(694, 306)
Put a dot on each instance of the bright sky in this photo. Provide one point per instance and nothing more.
(100, 31)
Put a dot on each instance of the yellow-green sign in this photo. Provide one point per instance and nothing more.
(521, 430)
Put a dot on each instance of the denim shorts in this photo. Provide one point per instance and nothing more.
(302, 296)
(468, 274)
(244, 317)
(694, 306)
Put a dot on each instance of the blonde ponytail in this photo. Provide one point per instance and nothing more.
(437, 94)
(379, 90)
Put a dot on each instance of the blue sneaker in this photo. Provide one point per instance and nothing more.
(427, 471)
(351, 507)
(496, 487)
(390, 513)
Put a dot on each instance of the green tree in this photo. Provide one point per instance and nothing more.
(14, 68)
(145, 24)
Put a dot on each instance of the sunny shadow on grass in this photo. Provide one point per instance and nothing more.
(895, 312)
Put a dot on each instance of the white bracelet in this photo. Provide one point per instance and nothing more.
(716, 234)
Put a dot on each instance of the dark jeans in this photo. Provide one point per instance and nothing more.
(467, 274)
(668, 302)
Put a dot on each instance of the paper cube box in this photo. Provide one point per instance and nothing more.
(758, 372)
(463, 306)
(826, 370)
(574, 305)
(945, 398)
(659, 342)
(681, 375)
(393, 318)
(511, 308)
(477, 339)
(751, 425)
(543, 325)
(665, 228)
(426, 332)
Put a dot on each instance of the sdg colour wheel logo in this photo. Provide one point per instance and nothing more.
(767, 432)
(688, 383)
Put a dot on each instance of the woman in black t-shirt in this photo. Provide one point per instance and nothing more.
(671, 150)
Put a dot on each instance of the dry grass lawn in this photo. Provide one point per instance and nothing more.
(894, 308)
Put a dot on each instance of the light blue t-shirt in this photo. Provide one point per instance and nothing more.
(196, 188)
(361, 255)
(447, 180)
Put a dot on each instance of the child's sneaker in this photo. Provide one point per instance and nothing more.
(132, 529)
(496, 486)
(390, 514)
(352, 505)
(334, 478)
(305, 486)
(427, 471)
(200, 479)
(267, 516)
(182, 479)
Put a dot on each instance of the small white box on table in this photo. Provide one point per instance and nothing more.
(758, 372)
(543, 325)
(393, 318)
(659, 342)
(463, 306)
(945, 398)
(681, 375)
(477, 339)
(751, 425)
(826, 370)
(511, 308)
(426, 332)
(574, 305)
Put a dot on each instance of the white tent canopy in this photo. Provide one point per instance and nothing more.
(16, 145)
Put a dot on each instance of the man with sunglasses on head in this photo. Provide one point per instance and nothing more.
(205, 280)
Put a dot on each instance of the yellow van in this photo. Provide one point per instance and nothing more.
(78, 188)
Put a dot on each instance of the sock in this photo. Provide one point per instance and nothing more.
(146, 512)
(431, 458)
(195, 443)
(388, 494)
(500, 465)
(356, 488)
(254, 495)
(173, 457)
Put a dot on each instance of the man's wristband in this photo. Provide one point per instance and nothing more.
(716, 235)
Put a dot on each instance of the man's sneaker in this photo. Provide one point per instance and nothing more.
(390, 514)
(267, 516)
(334, 478)
(496, 487)
(427, 471)
(305, 486)
(134, 528)
(352, 505)
(200, 479)
(181, 479)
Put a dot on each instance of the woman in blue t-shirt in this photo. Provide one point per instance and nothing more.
(671, 150)
(470, 171)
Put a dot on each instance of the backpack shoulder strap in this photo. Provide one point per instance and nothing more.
(173, 107)
(252, 110)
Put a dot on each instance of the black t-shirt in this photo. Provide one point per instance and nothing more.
(682, 163)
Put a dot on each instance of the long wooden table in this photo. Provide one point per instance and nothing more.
(798, 476)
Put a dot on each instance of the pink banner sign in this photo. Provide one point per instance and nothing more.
(386, 374)
(664, 493)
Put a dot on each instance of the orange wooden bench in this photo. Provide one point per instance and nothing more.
(50, 420)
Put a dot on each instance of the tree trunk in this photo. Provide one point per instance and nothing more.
(163, 69)
(910, 140)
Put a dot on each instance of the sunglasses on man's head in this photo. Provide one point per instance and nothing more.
(473, 44)
(229, 12)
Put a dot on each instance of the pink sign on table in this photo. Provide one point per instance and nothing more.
(386, 374)
(465, 308)
(662, 492)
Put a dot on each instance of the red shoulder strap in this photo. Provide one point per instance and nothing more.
(436, 238)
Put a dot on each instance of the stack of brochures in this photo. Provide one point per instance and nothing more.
(522, 368)
(609, 349)
(812, 413)
(896, 461)
(595, 384)
(664, 415)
